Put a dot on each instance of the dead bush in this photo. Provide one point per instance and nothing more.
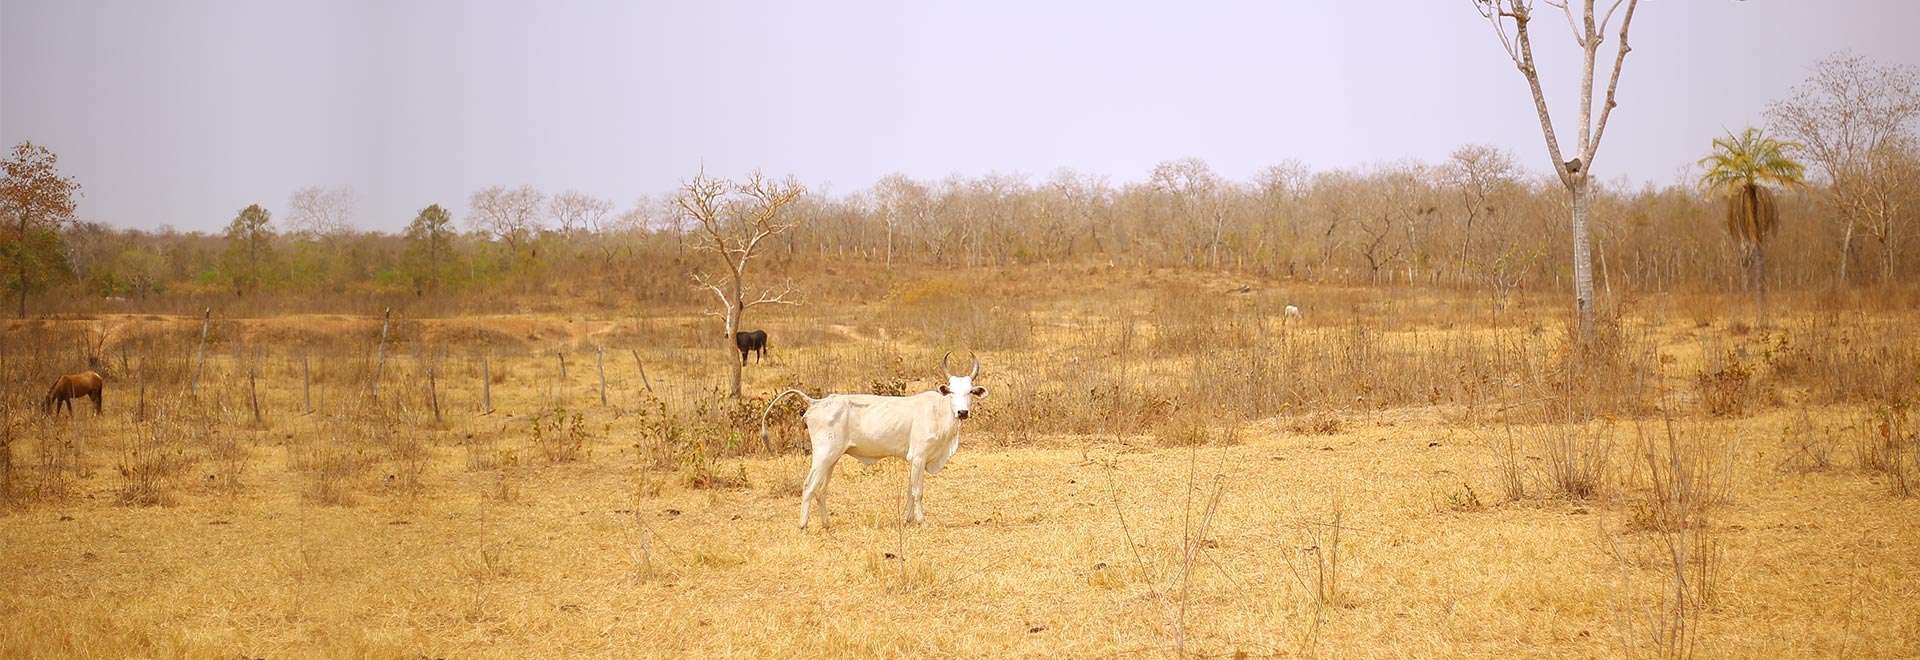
(1727, 391)
(151, 464)
(1890, 444)
(1575, 458)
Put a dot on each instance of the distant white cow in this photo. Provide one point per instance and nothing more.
(1293, 312)
(923, 430)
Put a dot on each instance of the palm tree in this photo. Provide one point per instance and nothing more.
(1738, 170)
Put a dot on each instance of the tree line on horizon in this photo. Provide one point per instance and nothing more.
(1478, 220)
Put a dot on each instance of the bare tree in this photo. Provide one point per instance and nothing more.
(1888, 197)
(1853, 119)
(1476, 172)
(1086, 208)
(1194, 193)
(1588, 34)
(512, 216)
(321, 212)
(577, 211)
(1336, 197)
(901, 202)
(732, 222)
(1277, 191)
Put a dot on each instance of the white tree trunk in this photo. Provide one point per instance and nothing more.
(1582, 258)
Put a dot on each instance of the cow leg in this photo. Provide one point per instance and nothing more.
(97, 408)
(824, 457)
(916, 483)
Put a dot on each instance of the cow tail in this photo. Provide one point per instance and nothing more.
(764, 443)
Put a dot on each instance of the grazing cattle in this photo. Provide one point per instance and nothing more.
(751, 342)
(74, 386)
(1293, 312)
(923, 430)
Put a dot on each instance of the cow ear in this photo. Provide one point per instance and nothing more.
(979, 393)
(944, 390)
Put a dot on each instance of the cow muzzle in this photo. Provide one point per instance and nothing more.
(962, 414)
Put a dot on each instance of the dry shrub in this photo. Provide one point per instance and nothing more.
(660, 431)
(334, 463)
(410, 458)
(1324, 552)
(1509, 461)
(1186, 427)
(1813, 445)
(560, 437)
(1464, 499)
(1689, 471)
(947, 313)
(694, 444)
(1689, 474)
(151, 464)
(1610, 374)
(1035, 395)
(1727, 391)
(1838, 360)
(1319, 423)
(1575, 458)
(1889, 443)
(482, 450)
(1192, 426)
(229, 455)
(1188, 319)
(331, 473)
(57, 458)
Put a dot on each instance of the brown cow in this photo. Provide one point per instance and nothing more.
(74, 386)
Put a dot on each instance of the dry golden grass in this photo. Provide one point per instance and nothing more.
(1134, 486)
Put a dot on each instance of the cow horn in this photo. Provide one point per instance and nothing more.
(943, 364)
(976, 365)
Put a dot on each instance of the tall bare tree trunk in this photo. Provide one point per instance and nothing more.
(1574, 173)
(734, 313)
(1846, 250)
(1582, 257)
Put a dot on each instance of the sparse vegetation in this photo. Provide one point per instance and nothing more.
(1383, 446)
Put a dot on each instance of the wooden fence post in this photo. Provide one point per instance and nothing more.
(380, 362)
(433, 393)
(253, 395)
(600, 363)
(558, 387)
(306, 384)
(643, 369)
(486, 384)
(200, 361)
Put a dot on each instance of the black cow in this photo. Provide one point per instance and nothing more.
(751, 342)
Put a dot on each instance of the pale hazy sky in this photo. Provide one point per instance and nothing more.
(184, 112)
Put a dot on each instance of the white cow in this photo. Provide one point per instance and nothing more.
(923, 430)
(1292, 312)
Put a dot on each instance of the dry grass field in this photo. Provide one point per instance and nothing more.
(1166, 465)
